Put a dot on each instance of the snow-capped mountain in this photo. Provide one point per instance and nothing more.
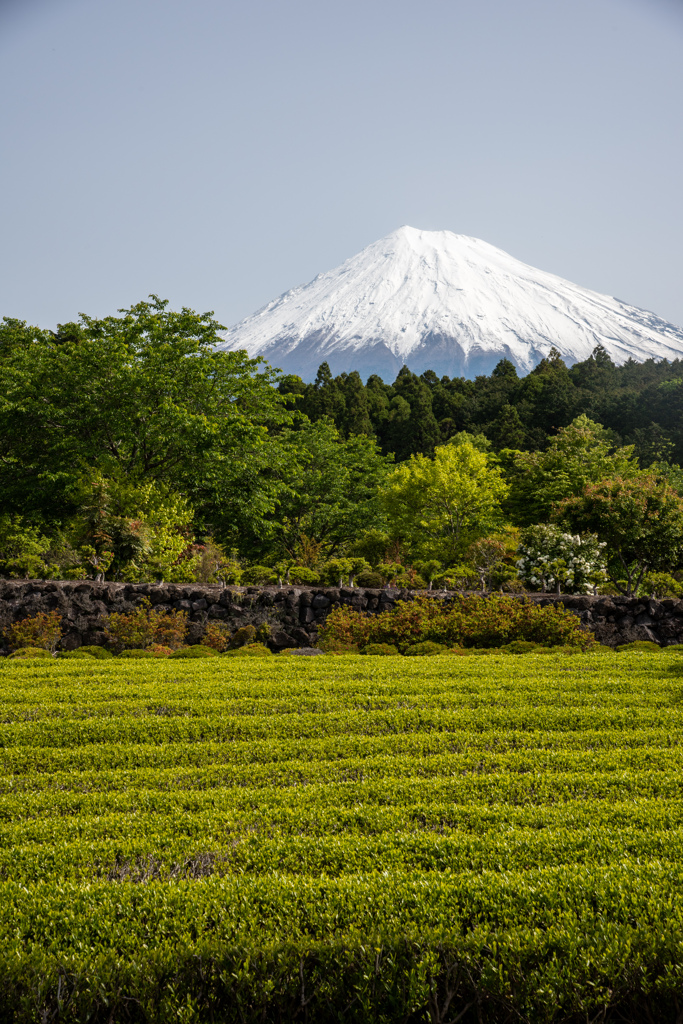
(439, 301)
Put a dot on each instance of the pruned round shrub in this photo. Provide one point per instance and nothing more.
(160, 650)
(196, 651)
(97, 652)
(135, 652)
(243, 636)
(306, 577)
(426, 649)
(370, 579)
(259, 575)
(330, 645)
(77, 653)
(384, 649)
(250, 651)
(30, 652)
(642, 646)
(523, 647)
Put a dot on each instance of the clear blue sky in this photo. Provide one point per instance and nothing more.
(219, 153)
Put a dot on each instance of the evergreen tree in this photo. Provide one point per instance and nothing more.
(507, 430)
(324, 397)
(406, 435)
(356, 416)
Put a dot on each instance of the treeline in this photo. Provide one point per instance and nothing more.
(638, 403)
(131, 448)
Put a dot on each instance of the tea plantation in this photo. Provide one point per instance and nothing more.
(342, 839)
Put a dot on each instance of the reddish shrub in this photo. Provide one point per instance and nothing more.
(465, 621)
(42, 630)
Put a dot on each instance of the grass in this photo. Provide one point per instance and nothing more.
(342, 839)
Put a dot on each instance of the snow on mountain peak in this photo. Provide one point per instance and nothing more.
(446, 302)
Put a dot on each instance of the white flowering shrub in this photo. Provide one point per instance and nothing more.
(550, 559)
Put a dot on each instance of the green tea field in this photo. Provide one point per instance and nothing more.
(342, 839)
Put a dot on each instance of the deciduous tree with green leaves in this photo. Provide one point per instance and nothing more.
(579, 454)
(327, 491)
(440, 505)
(144, 396)
(641, 520)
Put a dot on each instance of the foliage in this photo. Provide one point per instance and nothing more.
(136, 652)
(146, 397)
(385, 650)
(642, 646)
(553, 559)
(492, 560)
(454, 838)
(243, 636)
(370, 579)
(300, 574)
(137, 533)
(196, 651)
(160, 650)
(427, 648)
(97, 652)
(438, 505)
(523, 647)
(169, 628)
(42, 630)
(145, 626)
(328, 490)
(24, 550)
(77, 653)
(467, 621)
(30, 652)
(335, 572)
(639, 404)
(213, 565)
(660, 585)
(640, 519)
(259, 574)
(430, 570)
(582, 453)
(132, 448)
(216, 635)
(250, 651)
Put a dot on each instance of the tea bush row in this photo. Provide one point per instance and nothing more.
(370, 840)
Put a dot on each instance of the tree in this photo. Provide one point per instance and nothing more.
(135, 532)
(492, 559)
(439, 505)
(327, 493)
(324, 397)
(144, 396)
(410, 426)
(551, 558)
(507, 430)
(17, 335)
(550, 396)
(640, 518)
(356, 417)
(581, 453)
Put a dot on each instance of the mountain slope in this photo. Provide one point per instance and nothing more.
(446, 302)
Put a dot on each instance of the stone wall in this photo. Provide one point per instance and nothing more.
(294, 614)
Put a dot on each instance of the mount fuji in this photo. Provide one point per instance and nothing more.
(434, 300)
